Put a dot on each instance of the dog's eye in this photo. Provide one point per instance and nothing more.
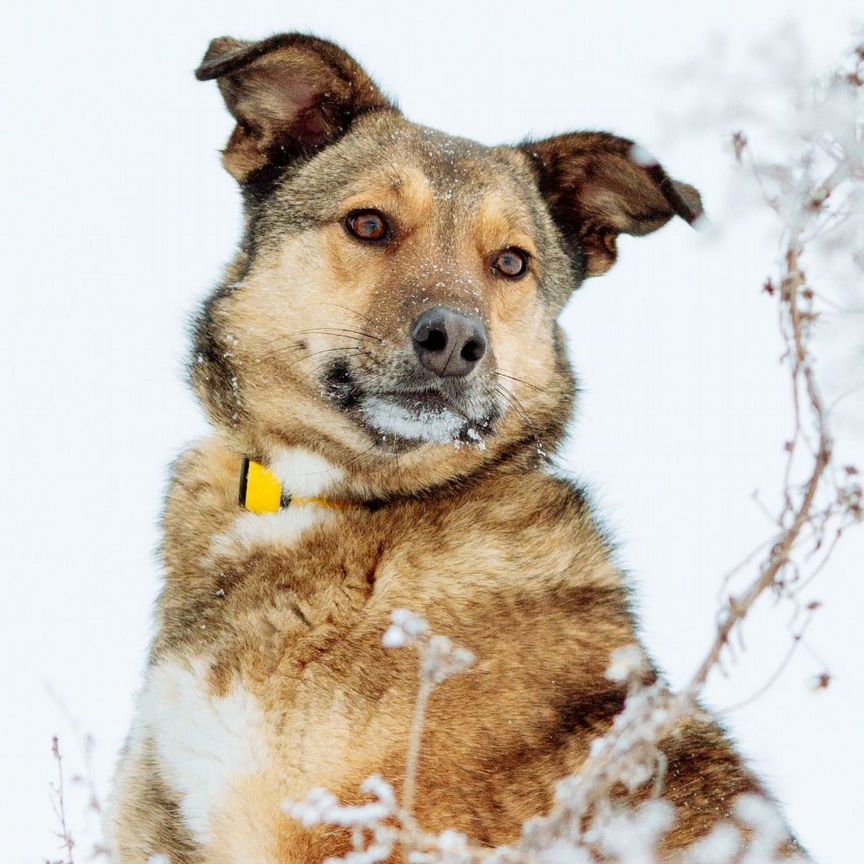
(366, 225)
(512, 263)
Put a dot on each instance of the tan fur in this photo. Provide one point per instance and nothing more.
(267, 675)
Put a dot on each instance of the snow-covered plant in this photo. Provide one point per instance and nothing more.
(383, 824)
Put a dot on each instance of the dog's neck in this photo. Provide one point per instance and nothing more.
(304, 473)
(330, 470)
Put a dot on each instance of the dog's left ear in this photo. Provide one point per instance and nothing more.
(598, 186)
(291, 95)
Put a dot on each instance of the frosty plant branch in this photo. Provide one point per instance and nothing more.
(381, 826)
(390, 824)
(61, 798)
(802, 514)
(802, 198)
(439, 659)
(802, 202)
(59, 803)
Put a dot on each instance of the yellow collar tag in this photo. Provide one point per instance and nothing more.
(261, 492)
(260, 489)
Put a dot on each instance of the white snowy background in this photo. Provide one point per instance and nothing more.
(116, 220)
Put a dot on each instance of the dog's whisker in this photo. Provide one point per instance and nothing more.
(277, 351)
(514, 403)
(517, 406)
(341, 331)
(361, 455)
(296, 344)
(294, 348)
(353, 312)
(352, 335)
(520, 380)
(323, 351)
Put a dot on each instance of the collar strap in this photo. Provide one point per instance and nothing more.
(261, 491)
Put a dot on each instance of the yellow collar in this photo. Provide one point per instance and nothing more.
(261, 492)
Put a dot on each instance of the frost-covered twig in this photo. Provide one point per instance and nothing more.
(381, 827)
(58, 802)
(383, 824)
(67, 796)
(439, 659)
(812, 508)
(826, 178)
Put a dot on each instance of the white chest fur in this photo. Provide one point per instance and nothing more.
(204, 743)
(305, 473)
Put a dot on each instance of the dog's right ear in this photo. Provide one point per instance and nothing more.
(598, 186)
(291, 95)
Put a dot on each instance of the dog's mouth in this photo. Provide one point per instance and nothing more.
(420, 402)
(412, 415)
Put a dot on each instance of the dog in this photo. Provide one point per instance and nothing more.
(387, 385)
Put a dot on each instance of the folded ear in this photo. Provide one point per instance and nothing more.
(598, 186)
(290, 94)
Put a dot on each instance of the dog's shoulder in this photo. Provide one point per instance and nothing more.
(201, 501)
(520, 545)
(543, 522)
(206, 471)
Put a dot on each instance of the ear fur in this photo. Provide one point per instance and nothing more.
(290, 94)
(598, 186)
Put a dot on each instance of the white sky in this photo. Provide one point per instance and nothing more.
(120, 218)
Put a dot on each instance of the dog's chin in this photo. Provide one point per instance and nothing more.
(415, 419)
(412, 414)
(421, 424)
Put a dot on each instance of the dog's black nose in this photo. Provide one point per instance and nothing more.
(447, 342)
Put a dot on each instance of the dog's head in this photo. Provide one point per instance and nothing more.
(393, 304)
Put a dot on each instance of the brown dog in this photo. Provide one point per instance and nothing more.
(385, 342)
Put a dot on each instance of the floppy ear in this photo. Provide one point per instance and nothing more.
(290, 94)
(598, 186)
